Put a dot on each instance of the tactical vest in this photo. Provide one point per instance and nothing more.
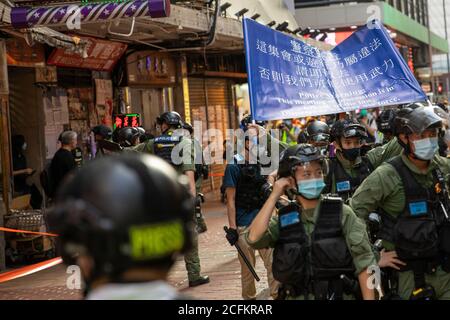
(249, 187)
(421, 233)
(345, 185)
(313, 264)
(164, 144)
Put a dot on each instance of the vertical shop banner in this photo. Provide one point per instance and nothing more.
(289, 78)
(103, 102)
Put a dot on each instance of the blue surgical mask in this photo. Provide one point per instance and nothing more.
(310, 189)
(425, 149)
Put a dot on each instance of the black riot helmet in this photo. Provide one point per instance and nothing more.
(347, 128)
(297, 155)
(124, 211)
(249, 120)
(416, 118)
(317, 131)
(172, 118)
(127, 136)
(103, 131)
(386, 121)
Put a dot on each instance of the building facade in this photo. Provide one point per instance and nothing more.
(417, 29)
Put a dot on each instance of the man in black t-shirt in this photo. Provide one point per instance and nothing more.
(63, 161)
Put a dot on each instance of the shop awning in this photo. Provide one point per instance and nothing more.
(57, 39)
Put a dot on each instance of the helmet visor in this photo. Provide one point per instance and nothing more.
(321, 137)
(354, 130)
(421, 119)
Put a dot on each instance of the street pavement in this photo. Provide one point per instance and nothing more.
(218, 260)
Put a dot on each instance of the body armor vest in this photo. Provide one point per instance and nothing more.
(312, 264)
(422, 231)
(249, 187)
(164, 144)
(346, 185)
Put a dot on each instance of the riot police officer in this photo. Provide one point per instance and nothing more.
(201, 173)
(410, 191)
(385, 124)
(128, 137)
(101, 133)
(348, 169)
(165, 146)
(319, 242)
(243, 184)
(124, 250)
(317, 133)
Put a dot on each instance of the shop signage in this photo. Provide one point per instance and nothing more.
(20, 54)
(151, 68)
(102, 55)
(126, 120)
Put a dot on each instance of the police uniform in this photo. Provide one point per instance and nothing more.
(345, 176)
(347, 171)
(162, 146)
(248, 181)
(354, 246)
(383, 153)
(384, 189)
(198, 154)
(413, 204)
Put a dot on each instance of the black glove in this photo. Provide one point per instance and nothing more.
(232, 236)
(198, 200)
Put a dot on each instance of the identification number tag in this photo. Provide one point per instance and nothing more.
(289, 219)
(418, 208)
(343, 186)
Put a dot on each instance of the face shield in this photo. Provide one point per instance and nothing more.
(421, 119)
(355, 130)
(309, 177)
(320, 139)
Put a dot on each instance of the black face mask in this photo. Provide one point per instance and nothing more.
(351, 154)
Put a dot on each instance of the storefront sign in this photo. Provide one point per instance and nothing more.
(102, 55)
(20, 54)
(151, 68)
(126, 120)
(290, 79)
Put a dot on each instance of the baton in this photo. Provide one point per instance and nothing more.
(249, 266)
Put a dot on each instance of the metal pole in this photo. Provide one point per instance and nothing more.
(5, 156)
(430, 53)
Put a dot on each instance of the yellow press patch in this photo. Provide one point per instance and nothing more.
(156, 240)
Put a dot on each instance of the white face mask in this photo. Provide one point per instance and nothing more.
(425, 149)
(24, 146)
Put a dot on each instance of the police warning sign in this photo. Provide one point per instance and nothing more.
(289, 78)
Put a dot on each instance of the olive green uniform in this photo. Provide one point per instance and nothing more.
(198, 152)
(375, 156)
(383, 153)
(353, 229)
(384, 189)
(191, 258)
(351, 168)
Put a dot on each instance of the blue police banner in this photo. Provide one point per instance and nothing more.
(289, 78)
